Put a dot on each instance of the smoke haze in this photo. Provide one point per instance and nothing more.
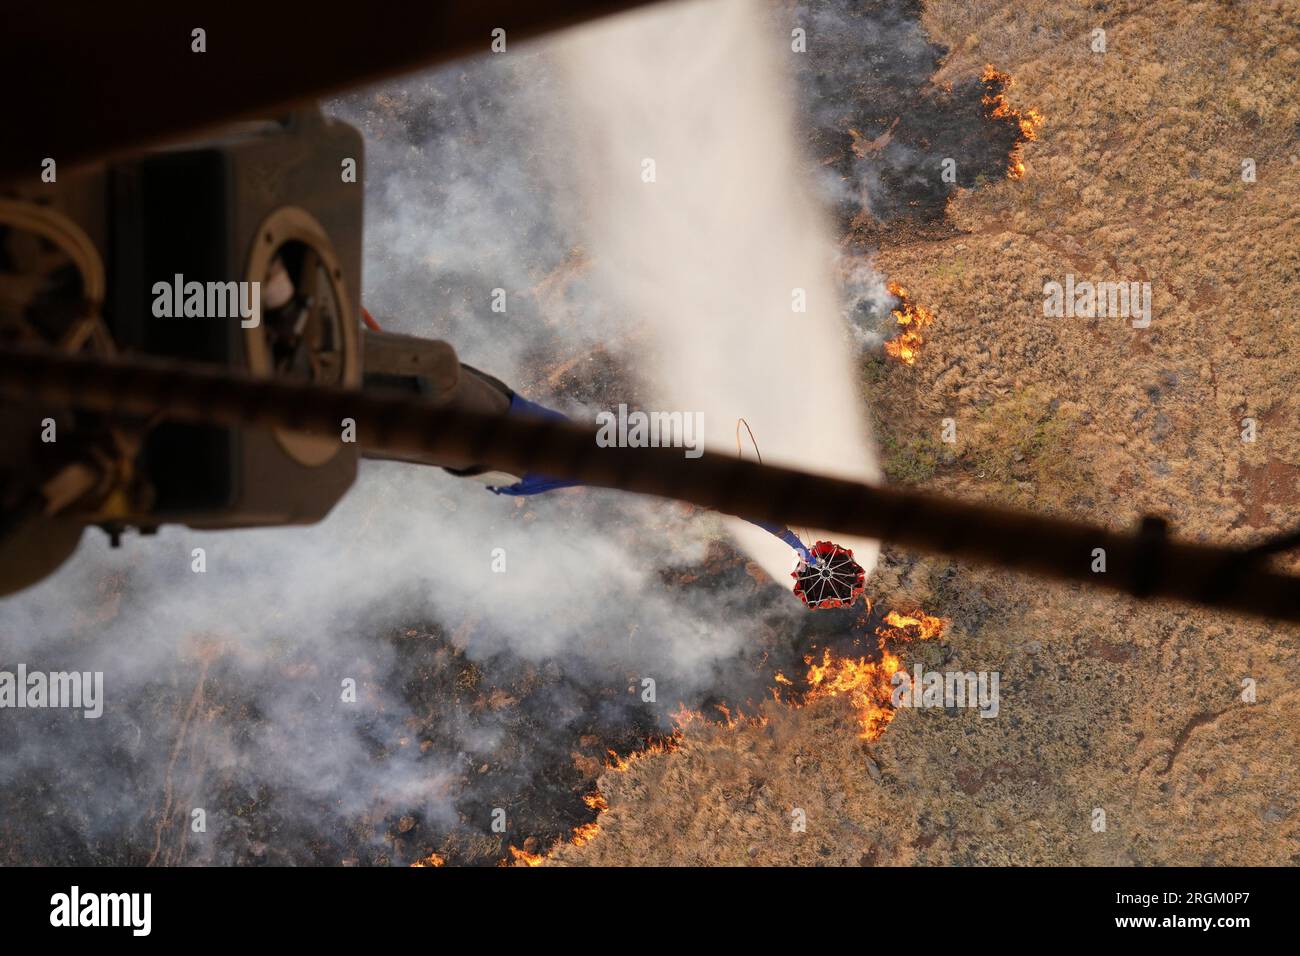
(725, 258)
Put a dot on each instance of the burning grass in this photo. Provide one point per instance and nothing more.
(995, 103)
(866, 683)
(586, 832)
(912, 319)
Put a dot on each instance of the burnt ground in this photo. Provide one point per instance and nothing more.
(879, 126)
(192, 735)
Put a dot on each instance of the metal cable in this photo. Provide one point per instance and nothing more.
(1147, 564)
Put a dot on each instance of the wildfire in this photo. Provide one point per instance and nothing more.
(433, 859)
(866, 684)
(657, 745)
(524, 858)
(927, 625)
(1029, 120)
(683, 718)
(585, 833)
(913, 318)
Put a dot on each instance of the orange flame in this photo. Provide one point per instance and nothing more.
(913, 318)
(868, 685)
(928, 626)
(865, 683)
(657, 745)
(524, 858)
(683, 718)
(584, 834)
(1029, 120)
(433, 859)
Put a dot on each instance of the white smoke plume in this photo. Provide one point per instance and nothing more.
(725, 256)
